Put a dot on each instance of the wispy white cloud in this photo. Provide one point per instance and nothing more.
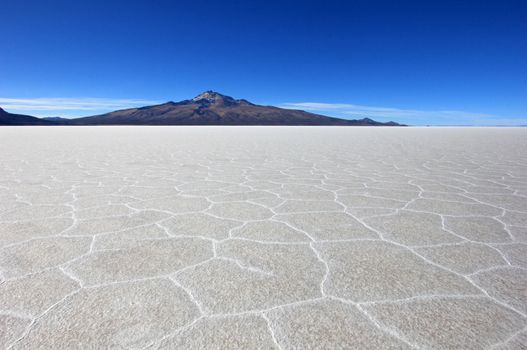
(388, 113)
(84, 103)
(68, 106)
(502, 121)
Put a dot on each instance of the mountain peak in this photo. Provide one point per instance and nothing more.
(211, 96)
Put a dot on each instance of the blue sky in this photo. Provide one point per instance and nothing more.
(418, 62)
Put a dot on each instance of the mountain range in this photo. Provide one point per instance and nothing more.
(208, 108)
(7, 118)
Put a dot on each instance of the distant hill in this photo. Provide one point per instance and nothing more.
(211, 108)
(57, 119)
(7, 118)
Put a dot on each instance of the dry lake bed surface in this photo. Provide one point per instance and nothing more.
(263, 238)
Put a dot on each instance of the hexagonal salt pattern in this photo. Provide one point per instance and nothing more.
(127, 315)
(263, 238)
(238, 332)
(449, 322)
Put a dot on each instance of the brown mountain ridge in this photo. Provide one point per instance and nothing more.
(208, 108)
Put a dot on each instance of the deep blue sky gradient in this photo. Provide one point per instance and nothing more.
(425, 56)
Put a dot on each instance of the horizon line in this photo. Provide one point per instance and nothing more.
(100, 105)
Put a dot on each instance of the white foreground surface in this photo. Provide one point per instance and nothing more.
(263, 237)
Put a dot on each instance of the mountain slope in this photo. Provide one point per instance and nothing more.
(7, 118)
(208, 108)
(212, 108)
(57, 119)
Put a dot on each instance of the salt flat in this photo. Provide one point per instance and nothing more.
(263, 237)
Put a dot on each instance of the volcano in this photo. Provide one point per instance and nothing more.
(213, 108)
(208, 108)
